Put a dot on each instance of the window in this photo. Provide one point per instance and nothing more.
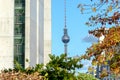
(19, 52)
(19, 31)
(19, 3)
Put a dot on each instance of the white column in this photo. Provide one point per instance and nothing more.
(27, 33)
(37, 33)
(47, 30)
(6, 33)
(41, 31)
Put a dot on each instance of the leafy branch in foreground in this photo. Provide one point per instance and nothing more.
(61, 67)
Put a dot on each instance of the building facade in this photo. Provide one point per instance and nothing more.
(25, 32)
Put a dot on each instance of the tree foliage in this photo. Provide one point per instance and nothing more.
(104, 11)
(108, 50)
(61, 68)
(84, 76)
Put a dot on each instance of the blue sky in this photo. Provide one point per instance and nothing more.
(77, 29)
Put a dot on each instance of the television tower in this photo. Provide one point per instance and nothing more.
(65, 37)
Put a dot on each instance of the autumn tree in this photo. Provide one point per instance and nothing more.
(106, 16)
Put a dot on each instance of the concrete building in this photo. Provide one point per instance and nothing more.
(25, 32)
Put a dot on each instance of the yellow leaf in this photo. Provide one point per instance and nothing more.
(108, 58)
(94, 63)
(110, 8)
(117, 6)
(90, 69)
(94, 9)
(105, 63)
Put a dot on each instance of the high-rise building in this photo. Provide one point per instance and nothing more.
(25, 32)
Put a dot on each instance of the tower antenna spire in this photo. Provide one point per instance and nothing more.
(65, 12)
(65, 37)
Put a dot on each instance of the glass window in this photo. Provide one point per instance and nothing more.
(19, 3)
(19, 31)
(19, 19)
(19, 11)
(19, 52)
